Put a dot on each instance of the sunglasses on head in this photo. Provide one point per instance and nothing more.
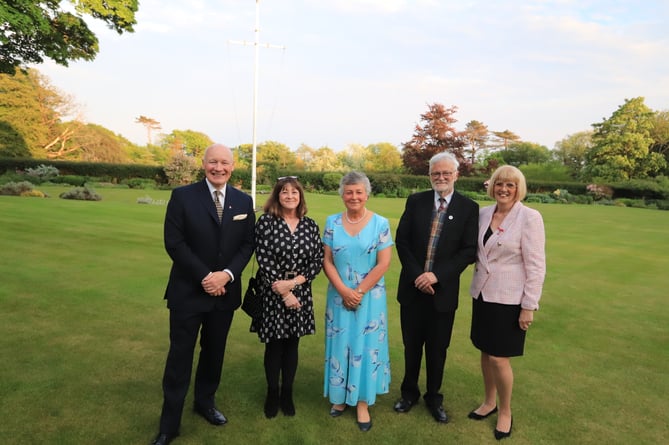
(285, 177)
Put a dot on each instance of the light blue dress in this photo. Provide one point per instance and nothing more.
(357, 364)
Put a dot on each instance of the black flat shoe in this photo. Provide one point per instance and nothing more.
(336, 412)
(499, 435)
(211, 415)
(474, 416)
(271, 407)
(403, 406)
(365, 426)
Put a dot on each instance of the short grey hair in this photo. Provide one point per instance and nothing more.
(444, 156)
(355, 178)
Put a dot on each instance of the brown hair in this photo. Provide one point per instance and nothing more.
(273, 205)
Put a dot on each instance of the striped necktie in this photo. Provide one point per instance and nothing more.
(219, 206)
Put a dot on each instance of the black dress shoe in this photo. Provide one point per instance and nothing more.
(164, 438)
(474, 416)
(499, 435)
(212, 415)
(438, 413)
(403, 406)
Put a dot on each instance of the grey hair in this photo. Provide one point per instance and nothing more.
(444, 156)
(354, 177)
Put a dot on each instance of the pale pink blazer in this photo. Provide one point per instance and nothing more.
(511, 266)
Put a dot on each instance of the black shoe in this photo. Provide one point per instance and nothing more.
(474, 416)
(365, 426)
(499, 435)
(334, 412)
(164, 438)
(438, 413)
(211, 415)
(271, 407)
(403, 406)
(287, 405)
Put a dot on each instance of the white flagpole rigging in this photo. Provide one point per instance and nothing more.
(256, 45)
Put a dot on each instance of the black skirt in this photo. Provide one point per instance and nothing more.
(495, 329)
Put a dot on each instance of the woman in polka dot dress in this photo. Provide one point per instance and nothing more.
(290, 255)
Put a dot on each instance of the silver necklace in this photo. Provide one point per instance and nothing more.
(355, 222)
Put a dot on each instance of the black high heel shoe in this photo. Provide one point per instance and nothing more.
(475, 416)
(499, 435)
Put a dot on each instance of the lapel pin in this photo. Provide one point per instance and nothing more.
(450, 216)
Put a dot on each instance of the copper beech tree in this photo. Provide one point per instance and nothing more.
(434, 134)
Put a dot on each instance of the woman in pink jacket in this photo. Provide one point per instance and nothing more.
(508, 278)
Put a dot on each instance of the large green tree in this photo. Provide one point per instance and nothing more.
(94, 143)
(660, 135)
(572, 151)
(30, 113)
(621, 145)
(192, 143)
(435, 134)
(523, 153)
(383, 157)
(31, 30)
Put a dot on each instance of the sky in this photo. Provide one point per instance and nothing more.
(340, 72)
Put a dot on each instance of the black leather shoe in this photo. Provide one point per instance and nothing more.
(499, 435)
(164, 438)
(438, 413)
(365, 426)
(334, 412)
(403, 406)
(474, 416)
(212, 415)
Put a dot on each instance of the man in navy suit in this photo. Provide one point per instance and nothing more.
(209, 243)
(436, 240)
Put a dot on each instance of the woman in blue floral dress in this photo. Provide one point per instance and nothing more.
(357, 253)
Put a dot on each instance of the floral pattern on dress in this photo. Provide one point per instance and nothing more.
(357, 363)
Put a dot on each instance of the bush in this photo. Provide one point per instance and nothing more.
(43, 172)
(33, 194)
(81, 193)
(16, 188)
(539, 197)
(331, 181)
(139, 183)
(75, 180)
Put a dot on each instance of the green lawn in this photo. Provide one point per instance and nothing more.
(83, 336)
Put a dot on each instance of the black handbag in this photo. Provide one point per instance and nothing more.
(252, 303)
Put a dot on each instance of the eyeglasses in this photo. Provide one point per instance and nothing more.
(285, 177)
(509, 185)
(436, 175)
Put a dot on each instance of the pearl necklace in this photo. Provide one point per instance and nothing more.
(355, 222)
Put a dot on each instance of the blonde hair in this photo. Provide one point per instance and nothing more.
(508, 173)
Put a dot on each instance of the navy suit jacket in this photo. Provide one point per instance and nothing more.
(199, 244)
(456, 248)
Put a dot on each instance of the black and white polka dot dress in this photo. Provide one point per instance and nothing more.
(279, 251)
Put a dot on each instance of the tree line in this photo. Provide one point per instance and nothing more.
(633, 143)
